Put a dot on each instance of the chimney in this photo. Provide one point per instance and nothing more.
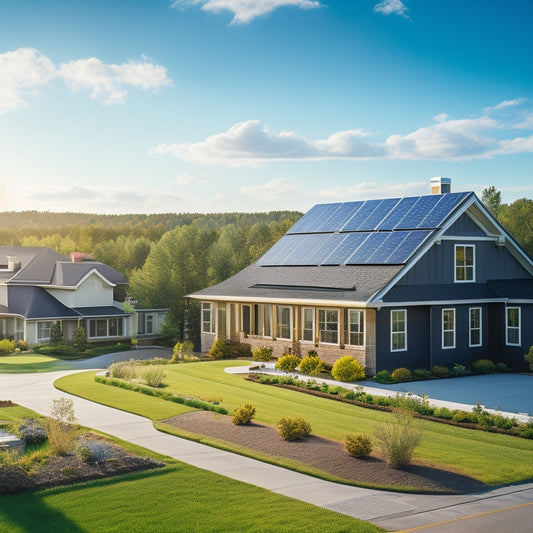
(13, 263)
(441, 185)
(76, 257)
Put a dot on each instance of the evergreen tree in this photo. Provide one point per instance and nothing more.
(79, 339)
(56, 333)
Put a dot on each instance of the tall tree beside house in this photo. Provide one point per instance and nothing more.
(56, 333)
(517, 218)
(79, 339)
(492, 198)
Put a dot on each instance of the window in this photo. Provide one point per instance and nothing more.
(106, 327)
(448, 328)
(355, 327)
(246, 326)
(308, 325)
(475, 326)
(512, 321)
(149, 323)
(284, 322)
(328, 325)
(262, 320)
(43, 331)
(464, 262)
(398, 326)
(208, 324)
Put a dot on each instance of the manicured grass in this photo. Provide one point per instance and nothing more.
(24, 363)
(491, 458)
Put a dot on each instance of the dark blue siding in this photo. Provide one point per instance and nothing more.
(438, 264)
(465, 226)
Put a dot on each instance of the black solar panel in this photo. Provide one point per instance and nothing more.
(337, 220)
(407, 247)
(366, 249)
(402, 208)
(345, 249)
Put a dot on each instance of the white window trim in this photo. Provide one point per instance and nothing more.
(212, 317)
(291, 318)
(473, 280)
(107, 336)
(364, 329)
(443, 331)
(325, 309)
(43, 339)
(304, 309)
(404, 349)
(519, 343)
(470, 327)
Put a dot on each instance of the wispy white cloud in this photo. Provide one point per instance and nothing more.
(24, 71)
(391, 7)
(274, 189)
(244, 11)
(187, 179)
(370, 189)
(445, 139)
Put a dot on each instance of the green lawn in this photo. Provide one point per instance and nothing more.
(23, 363)
(491, 458)
(177, 498)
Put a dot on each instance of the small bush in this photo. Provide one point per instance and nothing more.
(348, 368)
(383, 376)
(243, 414)
(22, 346)
(263, 354)
(402, 374)
(398, 440)
(96, 451)
(440, 371)
(459, 370)
(60, 426)
(181, 350)
(483, 366)
(224, 349)
(126, 370)
(32, 431)
(464, 417)
(56, 333)
(528, 358)
(288, 363)
(422, 373)
(311, 365)
(502, 368)
(79, 340)
(443, 412)
(7, 347)
(358, 444)
(292, 428)
(153, 375)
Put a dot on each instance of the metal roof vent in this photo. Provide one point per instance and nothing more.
(441, 185)
(13, 263)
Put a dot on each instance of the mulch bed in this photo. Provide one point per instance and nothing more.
(326, 455)
(72, 469)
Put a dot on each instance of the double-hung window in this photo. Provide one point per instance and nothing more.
(465, 262)
(398, 330)
(284, 322)
(355, 331)
(308, 324)
(448, 328)
(475, 326)
(208, 324)
(328, 325)
(512, 322)
(43, 331)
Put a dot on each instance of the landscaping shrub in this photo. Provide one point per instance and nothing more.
(292, 428)
(56, 333)
(358, 444)
(440, 371)
(483, 366)
(79, 340)
(348, 368)
(32, 431)
(7, 347)
(311, 365)
(123, 370)
(502, 368)
(464, 417)
(22, 346)
(96, 451)
(181, 350)
(401, 374)
(528, 358)
(443, 412)
(153, 375)
(60, 426)
(422, 373)
(288, 363)
(243, 414)
(383, 376)
(459, 370)
(399, 439)
(224, 349)
(262, 354)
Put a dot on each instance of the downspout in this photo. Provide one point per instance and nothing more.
(430, 337)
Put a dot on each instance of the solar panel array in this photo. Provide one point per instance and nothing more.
(372, 232)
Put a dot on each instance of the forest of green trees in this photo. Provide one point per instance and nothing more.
(167, 256)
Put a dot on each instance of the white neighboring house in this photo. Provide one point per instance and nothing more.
(39, 287)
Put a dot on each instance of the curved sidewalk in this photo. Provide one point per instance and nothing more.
(391, 510)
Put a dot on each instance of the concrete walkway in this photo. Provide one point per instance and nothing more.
(393, 511)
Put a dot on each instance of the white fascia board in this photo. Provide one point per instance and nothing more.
(286, 301)
(101, 276)
(13, 315)
(440, 302)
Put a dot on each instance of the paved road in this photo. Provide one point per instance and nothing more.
(391, 510)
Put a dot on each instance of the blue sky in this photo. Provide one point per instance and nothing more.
(254, 105)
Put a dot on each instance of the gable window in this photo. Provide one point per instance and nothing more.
(398, 328)
(355, 331)
(308, 324)
(284, 322)
(208, 324)
(43, 331)
(465, 261)
(328, 325)
(512, 322)
(448, 328)
(475, 326)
